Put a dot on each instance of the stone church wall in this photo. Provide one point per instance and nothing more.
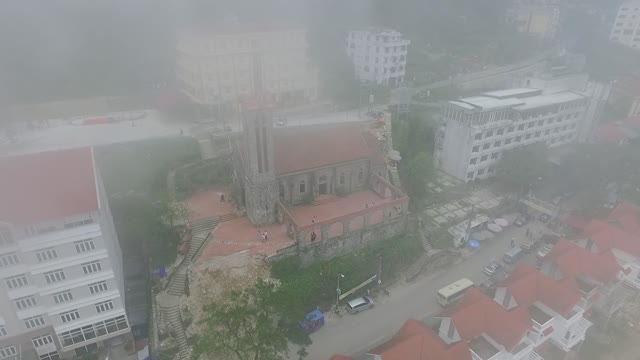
(323, 250)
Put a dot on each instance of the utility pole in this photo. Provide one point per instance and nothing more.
(471, 216)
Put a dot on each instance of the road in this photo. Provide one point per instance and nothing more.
(352, 335)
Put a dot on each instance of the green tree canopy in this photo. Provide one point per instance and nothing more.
(415, 175)
(522, 167)
(250, 325)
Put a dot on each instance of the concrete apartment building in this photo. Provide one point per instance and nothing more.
(220, 64)
(379, 55)
(626, 27)
(536, 18)
(477, 130)
(61, 288)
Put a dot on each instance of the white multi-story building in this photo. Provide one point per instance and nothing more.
(626, 28)
(378, 55)
(222, 64)
(61, 282)
(477, 130)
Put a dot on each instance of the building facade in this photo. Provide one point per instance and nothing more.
(379, 55)
(540, 20)
(62, 291)
(217, 66)
(626, 27)
(477, 130)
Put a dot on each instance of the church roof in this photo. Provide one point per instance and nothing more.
(303, 148)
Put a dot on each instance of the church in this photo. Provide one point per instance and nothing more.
(295, 165)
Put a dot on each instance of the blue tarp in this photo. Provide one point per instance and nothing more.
(314, 321)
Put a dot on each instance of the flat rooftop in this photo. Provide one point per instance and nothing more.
(539, 315)
(482, 347)
(518, 99)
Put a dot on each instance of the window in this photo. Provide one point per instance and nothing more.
(50, 356)
(537, 134)
(26, 302)
(531, 124)
(521, 127)
(508, 141)
(91, 267)
(7, 352)
(500, 132)
(473, 161)
(573, 126)
(511, 128)
(9, 260)
(104, 306)
(89, 332)
(303, 187)
(495, 155)
(341, 179)
(546, 132)
(98, 287)
(497, 143)
(85, 245)
(62, 297)
(33, 322)
(478, 136)
(486, 146)
(46, 254)
(480, 172)
(489, 133)
(550, 121)
(541, 122)
(470, 175)
(41, 341)
(6, 238)
(556, 129)
(475, 148)
(518, 138)
(484, 158)
(3, 330)
(70, 316)
(77, 223)
(565, 127)
(54, 276)
(17, 281)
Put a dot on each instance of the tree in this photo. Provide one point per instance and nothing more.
(250, 324)
(415, 174)
(173, 213)
(522, 167)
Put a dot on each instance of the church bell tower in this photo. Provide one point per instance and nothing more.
(260, 184)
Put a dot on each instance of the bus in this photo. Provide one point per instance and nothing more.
(452, 292)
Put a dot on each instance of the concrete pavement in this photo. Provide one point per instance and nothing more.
(354, 334)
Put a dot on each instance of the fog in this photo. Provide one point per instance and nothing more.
(319, 179)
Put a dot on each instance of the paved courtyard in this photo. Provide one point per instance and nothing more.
(481, 199)
(206, 204)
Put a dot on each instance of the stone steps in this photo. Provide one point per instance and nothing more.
(204, 225)
(172, 315)
(325, 199)
(395, 178)
(178, 282)
(228, 217)
(422, 261)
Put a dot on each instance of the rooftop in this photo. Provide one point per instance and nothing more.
(483, 347)
(539, 315)
(549, 99)
(516, 92)
(518, 99)
(45, 186)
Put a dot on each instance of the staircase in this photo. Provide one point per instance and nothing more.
(204, 225)
(228, 217)
(395, 178)
(170, 305)
(172, 315)
(325, 199)
(417, 266)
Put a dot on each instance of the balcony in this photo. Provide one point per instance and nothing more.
(576, 332)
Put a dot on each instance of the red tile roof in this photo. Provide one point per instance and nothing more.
(527, 285)
(304, 148)
(608, 236)
(415, 341)
(574, 260)
(576, 221)
(340, 357)
(46, 186)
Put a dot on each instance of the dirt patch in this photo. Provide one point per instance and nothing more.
(210, 280)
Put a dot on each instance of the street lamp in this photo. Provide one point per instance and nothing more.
(338, 291)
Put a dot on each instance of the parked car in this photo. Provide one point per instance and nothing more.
(360, 304)
(529, 245)
(487, 284)
(544, 251)
(544, 218)
(520, 222)
(492, 268)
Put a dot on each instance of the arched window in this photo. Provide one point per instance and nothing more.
(281, 190)
(360, 175)
(341, 178)
(303, 187)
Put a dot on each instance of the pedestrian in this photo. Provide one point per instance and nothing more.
(313, 220)
(266, 235)
(313, 236)
(222, 197)
(513, 243)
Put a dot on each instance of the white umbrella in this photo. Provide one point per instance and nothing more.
(501, 222)
(494, 227)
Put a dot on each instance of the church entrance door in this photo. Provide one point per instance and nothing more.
(322, 185)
